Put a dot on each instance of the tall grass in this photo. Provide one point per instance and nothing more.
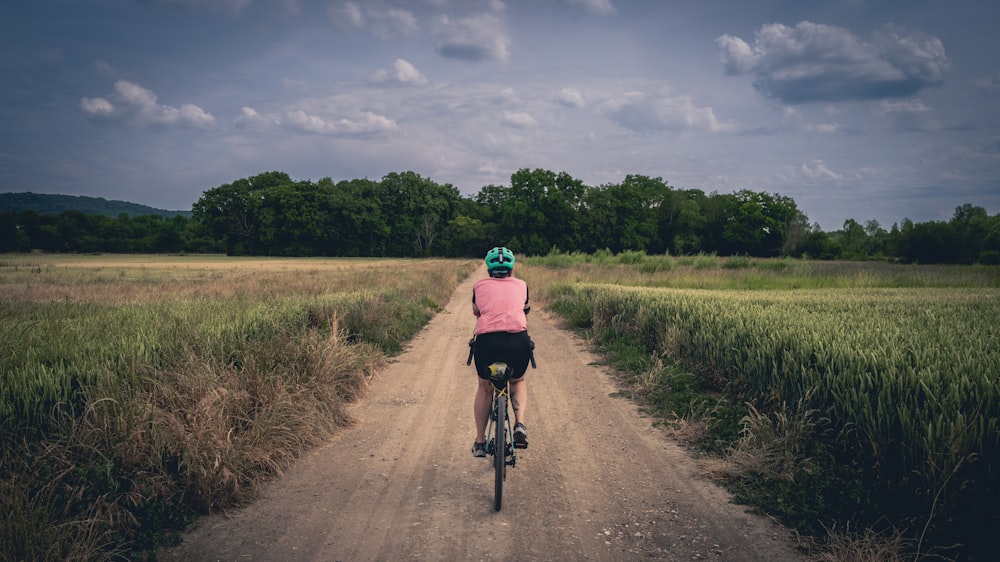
(869, 400)
(137, 392)
(708, 271)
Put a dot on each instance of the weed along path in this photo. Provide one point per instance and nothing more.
(598, 481)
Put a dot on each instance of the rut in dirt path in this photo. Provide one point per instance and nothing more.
(598, 482)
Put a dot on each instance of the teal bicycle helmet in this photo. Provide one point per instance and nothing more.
(499, 259)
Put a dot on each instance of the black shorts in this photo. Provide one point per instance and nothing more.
(514, 349)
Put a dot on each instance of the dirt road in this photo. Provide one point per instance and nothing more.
(597, 483)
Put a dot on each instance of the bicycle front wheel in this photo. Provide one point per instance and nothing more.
(500, 451)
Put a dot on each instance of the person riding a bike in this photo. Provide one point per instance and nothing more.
(500, 304)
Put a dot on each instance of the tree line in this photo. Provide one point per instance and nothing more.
(406, 215)
(53, 204)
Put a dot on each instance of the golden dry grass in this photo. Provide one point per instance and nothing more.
(138, 389)
(131, 279)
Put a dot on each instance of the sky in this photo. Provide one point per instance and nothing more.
(856, 109)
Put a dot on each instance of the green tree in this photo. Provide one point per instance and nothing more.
(817, 244)
(624, 216)
(970, 225)
(229, 211)
(989, 253)
(356, 225)
(291, 220)
(540, 209)
(415, 209)
(522, 215)
(639, 200)
(683, 220)
(171, 235)
(464, 236)
(716, 209)
(561, 207)
(598, 221)
(8, 231)
(878, 239)
(759, 224)
(928, 242)
(226, 212)
(854, 240)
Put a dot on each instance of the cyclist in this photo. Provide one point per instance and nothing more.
(500, 304)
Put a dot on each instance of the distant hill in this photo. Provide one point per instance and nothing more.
(47, 204)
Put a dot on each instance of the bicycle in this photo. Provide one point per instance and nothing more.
(500, 424)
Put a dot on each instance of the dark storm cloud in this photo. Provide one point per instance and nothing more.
(476, 38)
(465, 51)
(813, 62)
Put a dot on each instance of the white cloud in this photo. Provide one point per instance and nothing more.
(479, 36)
(902, 106)
(737, 55)
(384, 22)
(96, 106)
(141, 107)
(250, 118)
(190, 113)
(817, 169)
(826, 128)
(987, 151)
(346, 16)
(795, 118)
(363, 124)
(507, 94)
(136, 95)
(570, 97)
(666, 111)
(346, 115)
(519, 119)
(815, 62)
(403, 73)
(907, 115)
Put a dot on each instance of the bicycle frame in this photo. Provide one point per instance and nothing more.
(501, 401)
(500, 446)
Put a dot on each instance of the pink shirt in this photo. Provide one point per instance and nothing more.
(499, 305)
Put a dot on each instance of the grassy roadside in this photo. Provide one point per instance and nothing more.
(843, 397)
(139, 391)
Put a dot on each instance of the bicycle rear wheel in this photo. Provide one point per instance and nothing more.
(500, 451)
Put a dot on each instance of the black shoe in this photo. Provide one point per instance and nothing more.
(520, 436)
(479, 449)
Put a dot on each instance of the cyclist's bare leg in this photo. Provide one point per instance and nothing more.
(481, 406)
(519, 398)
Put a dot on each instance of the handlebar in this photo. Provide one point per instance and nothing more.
(472, 351)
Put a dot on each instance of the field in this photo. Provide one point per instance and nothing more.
(138, 391)
(847, 394)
